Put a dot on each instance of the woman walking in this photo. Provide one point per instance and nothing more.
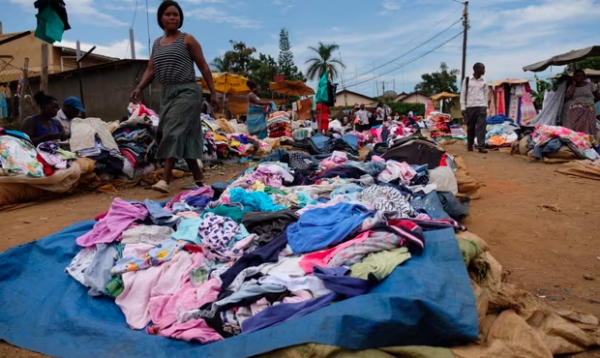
(172, 61)
(583, 95)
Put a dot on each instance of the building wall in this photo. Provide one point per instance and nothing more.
(106, 90)
(349, 99)
(415, 98)
(31, 47)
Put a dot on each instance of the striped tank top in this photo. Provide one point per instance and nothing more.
(173, 63)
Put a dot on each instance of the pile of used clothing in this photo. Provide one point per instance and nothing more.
(440, 125)
(501, 131)
(290, 235)
(91, 138)
(279, 125)
(18, 156)
(556, 144)
(137, 144)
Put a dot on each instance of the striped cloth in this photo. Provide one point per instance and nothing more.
(173, 63)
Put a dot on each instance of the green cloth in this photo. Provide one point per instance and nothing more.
(115, 287)
(270, 191)
(322, 96)
(179, 133)
(232, 212)
(475, 261)
(469, 250)
(381, 264)
(50, 27)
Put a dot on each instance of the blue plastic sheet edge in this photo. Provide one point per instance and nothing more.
(427, 301)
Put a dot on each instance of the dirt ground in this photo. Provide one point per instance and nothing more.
(548, 252)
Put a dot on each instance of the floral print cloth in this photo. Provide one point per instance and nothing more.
(543, 134)
(19, 157)
(156, 256)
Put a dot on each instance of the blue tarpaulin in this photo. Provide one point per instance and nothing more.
(426, 301)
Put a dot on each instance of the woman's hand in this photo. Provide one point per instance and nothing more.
(135, 95)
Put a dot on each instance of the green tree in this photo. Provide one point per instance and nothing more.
(239, 58)
(593, 63)
(286, 57)
(325, 61)
(219, 64)
(541, 87)
(436, 82)
(262, 71)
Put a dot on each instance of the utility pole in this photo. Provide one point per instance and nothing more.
(464, 47)
(382, 87)
(44, 74)
(132, 43)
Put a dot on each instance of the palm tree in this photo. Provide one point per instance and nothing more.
(219, 64)
(324, 61)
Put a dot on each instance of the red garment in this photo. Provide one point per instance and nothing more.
(48, 170)
(322, 117)
(443, 160)
(101, 216)
(191, 248)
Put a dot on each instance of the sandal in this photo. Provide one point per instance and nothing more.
(161, 187)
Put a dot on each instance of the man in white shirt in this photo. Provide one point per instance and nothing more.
(72, 107)
(473, 104)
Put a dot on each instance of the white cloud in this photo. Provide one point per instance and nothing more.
(389, 6)
(84, 10)
(212, 14)
(118, 49)
(285, 5)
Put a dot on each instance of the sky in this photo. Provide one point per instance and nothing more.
(389, 42)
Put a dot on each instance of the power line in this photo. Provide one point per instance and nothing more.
(413, 39)
(409, 62)
(414, 48)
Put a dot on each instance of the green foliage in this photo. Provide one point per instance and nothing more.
(219, 64)
(541, 86)
(240, 58)
(593, 63)
(262, 71)
(437, 82)
(403, 108)
(324, 61)
(286, 57)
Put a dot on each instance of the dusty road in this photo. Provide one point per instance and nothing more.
(545, 251)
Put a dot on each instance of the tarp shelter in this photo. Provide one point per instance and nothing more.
(564, 59)
(590, 73)
(510, 81)
(443, 95)
(228, 83)
(291, 88)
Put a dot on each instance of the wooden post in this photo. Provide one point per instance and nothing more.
(23, 89)
(44, 74)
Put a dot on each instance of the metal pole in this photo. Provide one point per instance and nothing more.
(464, 47)
(132, 43)
(78, 52)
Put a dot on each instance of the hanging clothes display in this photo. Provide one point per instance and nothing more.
(500, 102)
(52, 20)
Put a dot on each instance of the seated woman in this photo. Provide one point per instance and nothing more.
(583, 95)
(43, 127)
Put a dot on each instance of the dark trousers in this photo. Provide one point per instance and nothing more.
(476, 123)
